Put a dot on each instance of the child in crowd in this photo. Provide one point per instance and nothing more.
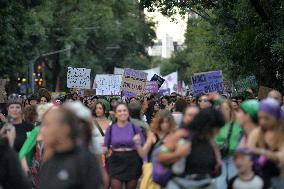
(246, 178)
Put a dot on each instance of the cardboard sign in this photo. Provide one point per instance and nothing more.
(108, 84)
(164, 92)
(3, 94)
(78, 78)
(243, 84)
(158, 79)
(151, 87)
(263, 92)
(207, 82)
(133, 82)
(150, 72)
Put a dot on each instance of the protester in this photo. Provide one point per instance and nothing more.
(247, 119)
(276, 95)
(180, 106)
(31, 153)
(101, 122)
(15, 113)
(44, 100)
(33, 99)
(30, 114)
(11, 175)
(162, 125)
(246, 178)
(228, 140)
(189, 114)
(202, 101)
(135, 111)
(202, 157)
(70, 166)
(267, 140)
(125, 165)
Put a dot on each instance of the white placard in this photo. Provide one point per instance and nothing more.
(78, 78)
(108, 84)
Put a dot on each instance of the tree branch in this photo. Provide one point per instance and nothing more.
(260, 11)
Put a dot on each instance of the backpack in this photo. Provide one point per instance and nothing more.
(161, 173)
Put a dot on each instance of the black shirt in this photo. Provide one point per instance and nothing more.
(74, 169)
(11, 175)
(202, 159)
(21, 134)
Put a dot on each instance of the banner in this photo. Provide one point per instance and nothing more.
(150, 72)
(108, 84)
(78, 78)
(3, 94)
(171, 82)
(243, 84)
(151, 87)
(207, 82)
(133, 82)
(158, 79)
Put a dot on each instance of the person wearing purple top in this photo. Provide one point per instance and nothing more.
(125, 165)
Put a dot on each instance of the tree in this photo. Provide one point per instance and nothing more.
(249, 33)
(102, 34)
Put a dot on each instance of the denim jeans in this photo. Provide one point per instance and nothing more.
(191, 184)
(228, 169)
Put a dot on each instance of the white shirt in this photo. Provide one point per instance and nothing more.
(255, 183)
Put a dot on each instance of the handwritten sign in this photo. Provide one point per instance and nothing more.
(78, 78)
(108, 84)
(133, 82)
(151, 87)
(3, 94)
(158, 79)
(207, 82)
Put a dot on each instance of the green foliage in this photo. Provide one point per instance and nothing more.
(200, 54)
(250, 34)
(102, 34)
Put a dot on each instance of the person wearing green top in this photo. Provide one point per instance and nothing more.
(228, 140)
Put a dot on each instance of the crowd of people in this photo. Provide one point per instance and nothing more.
(152, 142)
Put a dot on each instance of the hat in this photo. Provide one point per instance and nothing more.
(250, 107)
(271, 107)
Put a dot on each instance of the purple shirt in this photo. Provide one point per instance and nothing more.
(122, 137)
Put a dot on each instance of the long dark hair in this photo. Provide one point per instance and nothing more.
(205, 122)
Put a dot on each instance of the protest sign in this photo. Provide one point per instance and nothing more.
(133, 82)
(171, 82)
(164, 92)
(3, 94)
(243, 84)
(207, 82)
(158, 79)
(108, 84)
(150, 72)
(151, 87)
(78, 78)
(263, 92)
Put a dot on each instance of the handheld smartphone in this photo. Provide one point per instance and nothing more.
(9, 123)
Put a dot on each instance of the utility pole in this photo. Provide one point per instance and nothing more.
(32, 63)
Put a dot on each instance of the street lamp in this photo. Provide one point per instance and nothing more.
(32, 62)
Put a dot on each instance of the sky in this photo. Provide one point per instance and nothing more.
(165, 26)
